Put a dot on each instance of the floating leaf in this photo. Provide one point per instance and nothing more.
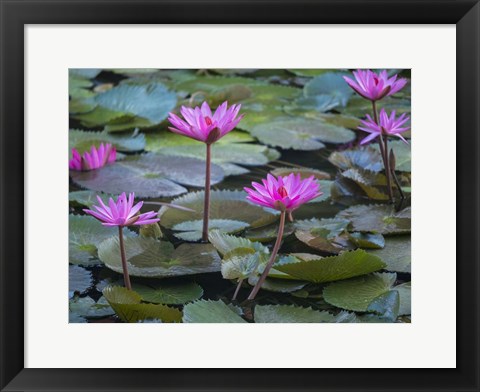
(87, 307)
(97, 117)
(240, 263)
(403, 155)
(367, 240)
(329, 84)
(128, 307)
(152, 102)
(147, 257)
(79, 279)
(367, 158)
(149, 175)
(357, 294)
(267, 233)
(301, 134)
(209, 84)
(329, 269)
(397, 253)
(378, 218)
(87, 198)
(358, 106)
(327, 235)
(405, 293)
(386, 305)
(210, 312)
(88, 73)
(225, 243)
(84, 140)
(192, 230)
(290, 314)
(278, 285)
(304, 172)
(169, 293)
(85, 234)
(224, 204)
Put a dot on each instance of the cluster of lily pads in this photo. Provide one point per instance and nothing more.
(273, 208)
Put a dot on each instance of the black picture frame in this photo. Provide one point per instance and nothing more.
(15, 14)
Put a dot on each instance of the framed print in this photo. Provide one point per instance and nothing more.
(250, 196)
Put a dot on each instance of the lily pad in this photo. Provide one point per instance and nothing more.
(403, 155)
(85, 234)
(149, 175)
(367, 158)
(87, 198)
(378, 218)
(147, 257)
(304, 172)
(328, 269)
(206, 311)
(290, 314)
(128, 307)
(357, 294)
(83, 140)
(397, 253)
(224, 204)
(329, 84)
(192, 230)
(79, 279)
(300, 133)
(278, 285)
(88, 308)
(225, 243)
(386, 305)
(367, 240)
(405, 293)
(169, 293)
(240, 263)
(152, 102)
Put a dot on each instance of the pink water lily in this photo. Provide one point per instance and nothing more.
(94, 159)
(122, 212)
(199, 123)
(284, 193)
(374, 86)
(387, 125)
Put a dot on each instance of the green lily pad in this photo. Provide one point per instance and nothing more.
(403, 155)
(357, 294)
(192, 230)
(300, 133)
(209, 84)
(88, 73)
(359, 183)
(290, 314)
(128, 307)
(268, 233)
(328, 269)
(148, 175)
(327, 235)
(358, 106)
(83, 140)
(367, 240)
(304, 172)
(224, 204)
(169, 293)
(240, 263)
(405, 293)
(152, 102)
(278, 285)
(85, 234)
(87, 198)
(367, 158)
(225, 243)
(329, 84)
(397, 253)
(386, 305)
(88, 308)
(147, 257)
(127, 123)
(378, 218)
(79, 279)
(206, 311)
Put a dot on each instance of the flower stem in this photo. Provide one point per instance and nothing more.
(240, 281)
(273, 256)
(126, 277)
(384, 152)
(206, 206)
